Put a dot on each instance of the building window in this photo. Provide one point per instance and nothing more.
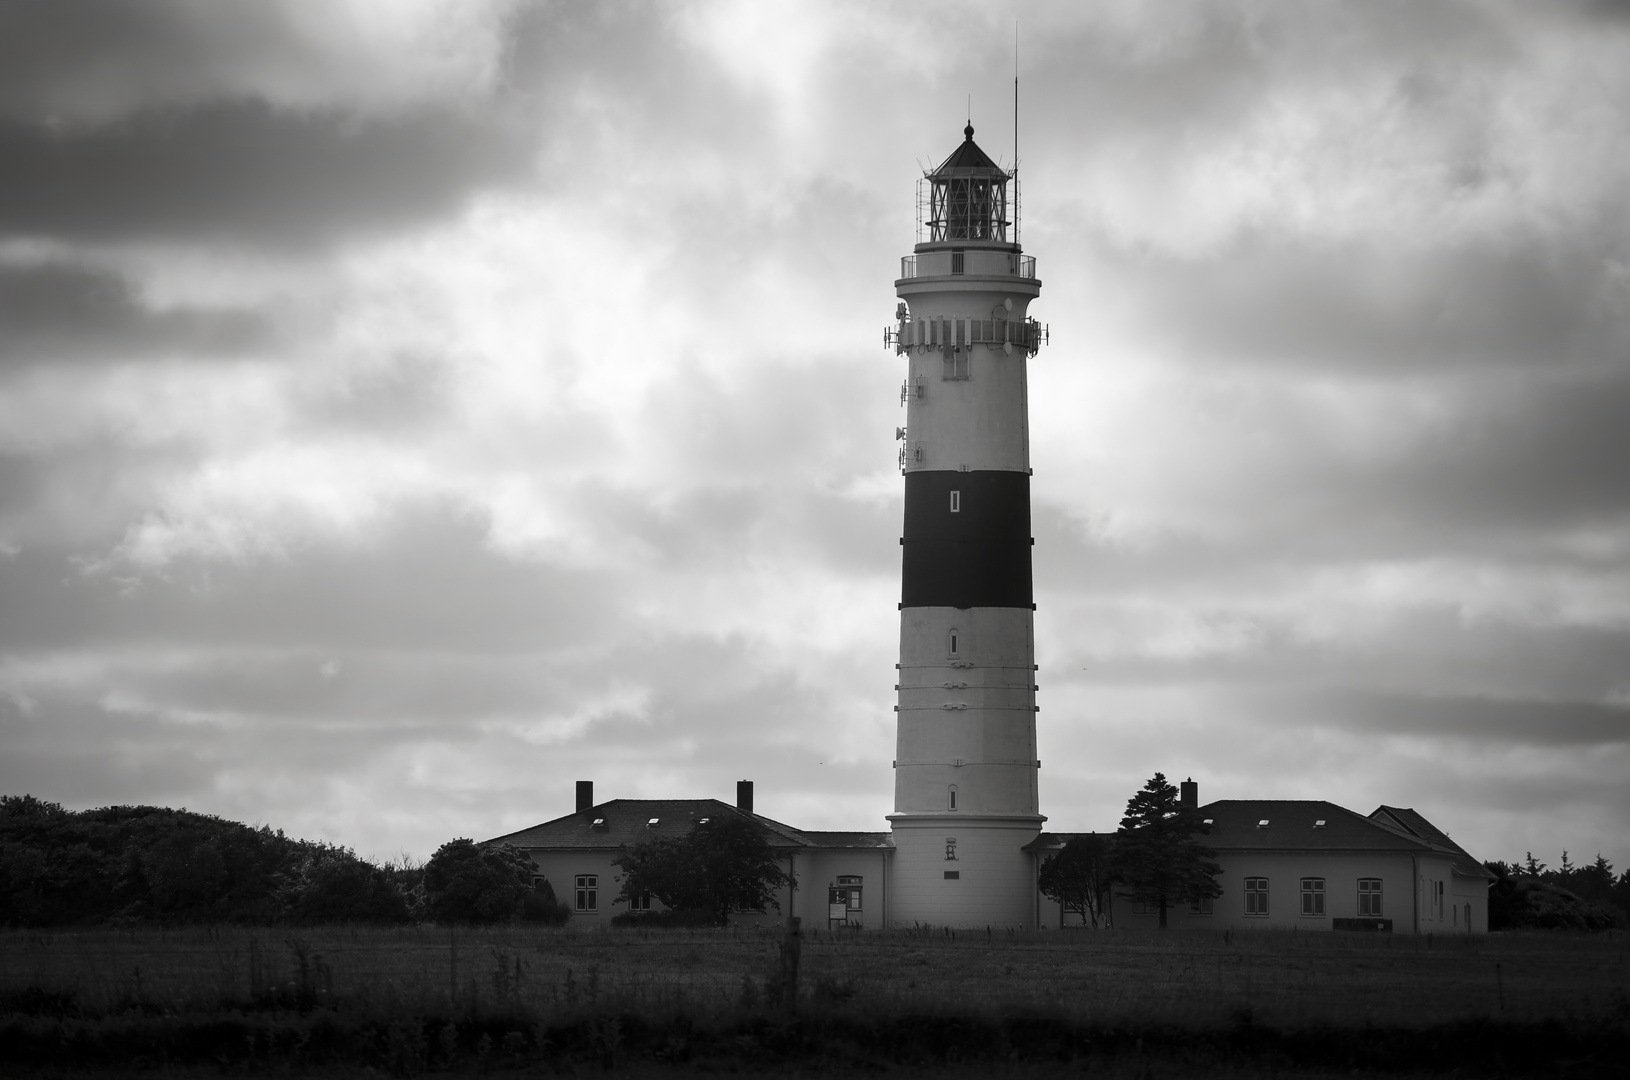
(1313, 896)
(956, 502)
(950, 849)
(958, 261)
(641, 902)
(1145, 907)
(1256, 896)
(847, 892)
(587, 892)
(952, 643)
(1201, 907)
(953, 796)
(955, 364)
(1369, 896)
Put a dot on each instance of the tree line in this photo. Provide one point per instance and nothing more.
(133, 865)
(147, 865)
(1572, 896)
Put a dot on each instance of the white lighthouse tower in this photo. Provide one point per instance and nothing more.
(965, 800)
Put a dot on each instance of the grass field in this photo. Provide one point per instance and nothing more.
(425, 998)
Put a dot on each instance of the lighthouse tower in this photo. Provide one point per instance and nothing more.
(965, 800)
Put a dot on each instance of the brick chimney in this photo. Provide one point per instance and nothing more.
(585, 795)
(1188, 794)
(744, 795)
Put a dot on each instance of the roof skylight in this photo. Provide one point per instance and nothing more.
(652, 823)
(1263, 824)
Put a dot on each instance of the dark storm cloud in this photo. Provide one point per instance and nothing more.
(66, 742)
(1487, 722)
(1303, 308)
(423, 581)
(51, 313)
(54, 54)
(246, 171)
(1426, 653)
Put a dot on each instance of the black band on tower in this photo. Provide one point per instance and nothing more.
(976, 555)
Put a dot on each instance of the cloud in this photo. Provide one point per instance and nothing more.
(241, 171)
(57, 312)
(98, 60)
(408, 411)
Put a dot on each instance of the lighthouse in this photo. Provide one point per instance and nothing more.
(965, 792)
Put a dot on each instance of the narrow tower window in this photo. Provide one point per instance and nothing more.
(953, 796)
(956, 502)
(953, 642)
(957, 261)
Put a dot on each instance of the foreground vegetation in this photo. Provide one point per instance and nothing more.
(414, 999)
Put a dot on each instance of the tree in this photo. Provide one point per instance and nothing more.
(540, 906)
(1156, 856)
(331, 885)
(723, 864)
(1077, 876)
(477, 883)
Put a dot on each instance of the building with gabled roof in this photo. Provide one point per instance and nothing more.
(1306, 864)
(1309, 864)
(840, 877)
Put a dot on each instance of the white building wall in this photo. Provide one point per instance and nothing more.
(1407, 881)
(818, 871)
(561, 868)
(994, 882)
(967, 719)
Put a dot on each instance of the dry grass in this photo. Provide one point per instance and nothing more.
(1187, 979)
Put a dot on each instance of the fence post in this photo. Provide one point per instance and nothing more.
(791, 947)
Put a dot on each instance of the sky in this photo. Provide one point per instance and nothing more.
(408, 409)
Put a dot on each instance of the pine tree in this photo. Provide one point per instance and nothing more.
(1156, 856)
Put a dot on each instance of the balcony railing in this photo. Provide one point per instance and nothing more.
(958, 262)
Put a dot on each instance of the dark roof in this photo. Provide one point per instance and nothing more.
(968, 160)
(627, 821)
(825, 839)
(1292, 827)
(1411, 821)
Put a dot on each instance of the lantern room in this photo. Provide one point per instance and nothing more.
(967, 198)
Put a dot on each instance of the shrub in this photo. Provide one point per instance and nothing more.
(540, 906)
(466, 882)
